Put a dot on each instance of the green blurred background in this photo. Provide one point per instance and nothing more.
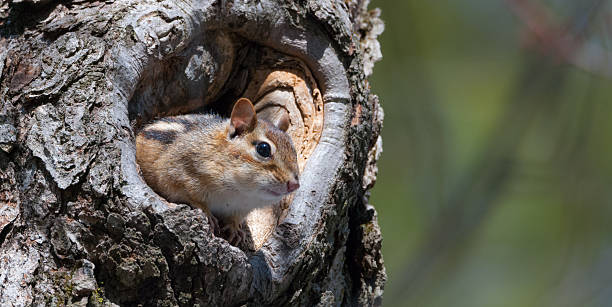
(494, 184)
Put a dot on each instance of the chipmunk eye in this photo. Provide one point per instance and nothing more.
(264, 149)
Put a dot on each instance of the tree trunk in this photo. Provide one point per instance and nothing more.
(78, 79)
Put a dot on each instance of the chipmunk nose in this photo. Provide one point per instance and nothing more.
(292, 185)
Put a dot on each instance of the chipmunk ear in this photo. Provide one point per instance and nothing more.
(282, 123)
(243, 117)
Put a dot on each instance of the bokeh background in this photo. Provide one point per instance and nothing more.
(494, 187)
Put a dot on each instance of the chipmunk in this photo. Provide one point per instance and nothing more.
(226, 167)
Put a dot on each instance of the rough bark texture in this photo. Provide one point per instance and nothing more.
(79, 225)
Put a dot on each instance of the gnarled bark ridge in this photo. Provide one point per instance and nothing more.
(78, 223)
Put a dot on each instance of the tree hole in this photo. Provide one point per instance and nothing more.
(209, 79)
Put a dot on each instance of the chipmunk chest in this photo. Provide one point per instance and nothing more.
(228, 203)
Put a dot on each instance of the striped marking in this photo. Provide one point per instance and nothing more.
(167, 130)
(163, 136)
(164, 125)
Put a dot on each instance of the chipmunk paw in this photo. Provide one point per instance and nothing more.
(235, 233)
(214, 224)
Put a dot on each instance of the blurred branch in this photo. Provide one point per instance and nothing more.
(567, 44)
(476, 191)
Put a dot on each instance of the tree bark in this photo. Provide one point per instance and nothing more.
(79, 225)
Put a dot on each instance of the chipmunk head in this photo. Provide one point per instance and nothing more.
(267, 158)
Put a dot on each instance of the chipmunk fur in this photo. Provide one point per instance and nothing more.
(219, 165)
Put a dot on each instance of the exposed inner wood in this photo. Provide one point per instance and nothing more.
(285, 88)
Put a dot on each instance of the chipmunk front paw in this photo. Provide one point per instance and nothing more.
(235, 233)
(213, 222)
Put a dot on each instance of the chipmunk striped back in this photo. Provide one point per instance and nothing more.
(160, 136)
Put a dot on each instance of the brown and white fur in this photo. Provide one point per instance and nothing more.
(213, 164)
